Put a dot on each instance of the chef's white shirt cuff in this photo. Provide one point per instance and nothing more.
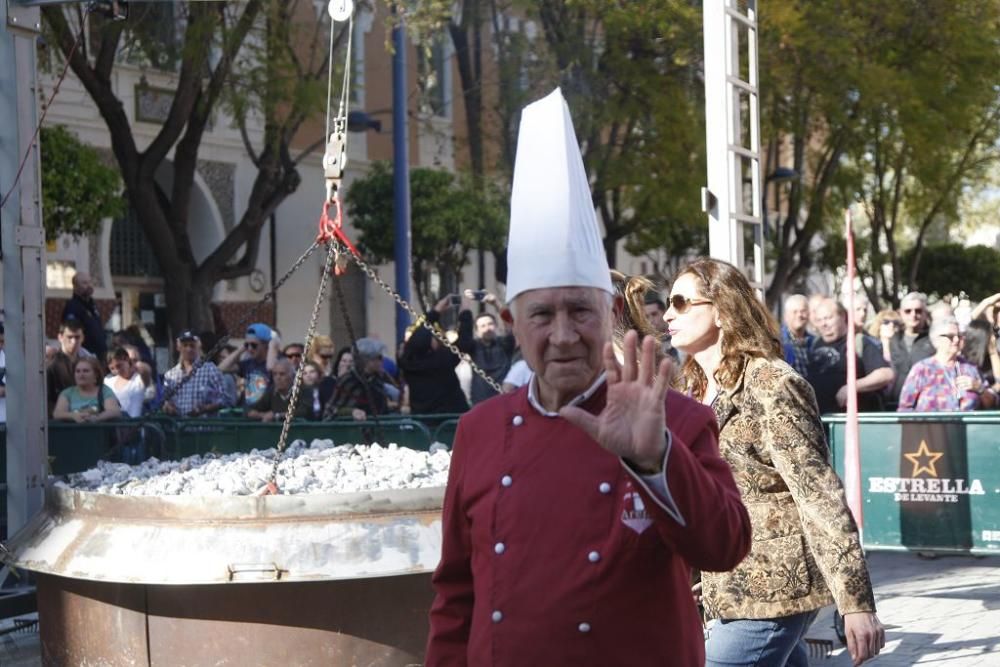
(656, 484)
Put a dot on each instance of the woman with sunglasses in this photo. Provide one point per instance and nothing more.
(945, 382)
(806, 552)
(883, 328)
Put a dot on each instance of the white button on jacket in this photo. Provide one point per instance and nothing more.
(518, 420)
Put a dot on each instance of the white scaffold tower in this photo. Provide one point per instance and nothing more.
(732, 198)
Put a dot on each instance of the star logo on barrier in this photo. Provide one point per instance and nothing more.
(923, 453)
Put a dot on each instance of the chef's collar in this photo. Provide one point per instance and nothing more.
(533, 395)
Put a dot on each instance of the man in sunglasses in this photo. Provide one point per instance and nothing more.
(911, 344)
(203, 394)
(255, 361)
(293, 352)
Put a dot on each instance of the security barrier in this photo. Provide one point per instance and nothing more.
(930, 481)
(76, 447)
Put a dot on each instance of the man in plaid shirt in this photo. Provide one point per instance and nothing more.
(795, 339)
(361, 392)
(199, 395)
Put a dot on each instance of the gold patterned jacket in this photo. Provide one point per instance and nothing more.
(805, 541)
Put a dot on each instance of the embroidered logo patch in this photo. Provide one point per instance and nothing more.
(634, 514)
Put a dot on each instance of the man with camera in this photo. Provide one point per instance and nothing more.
(489, 349)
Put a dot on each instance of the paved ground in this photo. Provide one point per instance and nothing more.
(942, 613)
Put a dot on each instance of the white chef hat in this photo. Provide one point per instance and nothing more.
(554, 240)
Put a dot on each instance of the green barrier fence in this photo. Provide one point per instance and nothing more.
(929, 481)
(76, 447)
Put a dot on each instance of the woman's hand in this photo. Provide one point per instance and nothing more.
(968, 383)
(358, 414)
(865, 635)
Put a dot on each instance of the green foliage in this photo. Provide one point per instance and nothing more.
(630, 74)
(449, 218)
(891, 105)
(952, 268)
(78, 190)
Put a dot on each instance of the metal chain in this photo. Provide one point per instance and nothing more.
(332, 252)
(172, 391)
(370, 272)
(354, 351)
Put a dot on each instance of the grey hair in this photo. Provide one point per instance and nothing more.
(915, 296)
(939, 325)
(368, 348)
(796, 298)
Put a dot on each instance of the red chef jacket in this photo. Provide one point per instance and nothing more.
(555, 553)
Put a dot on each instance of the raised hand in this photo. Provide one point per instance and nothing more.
(632, 422)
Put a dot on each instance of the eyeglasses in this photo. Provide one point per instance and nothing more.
(326, 356)
(250, 346)
(952, 336)
(915, 311)
(681, 303)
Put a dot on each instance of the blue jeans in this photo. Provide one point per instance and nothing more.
(766, 642)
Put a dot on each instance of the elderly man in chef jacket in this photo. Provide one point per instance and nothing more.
(577, 505)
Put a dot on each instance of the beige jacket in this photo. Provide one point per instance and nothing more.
(805, 541)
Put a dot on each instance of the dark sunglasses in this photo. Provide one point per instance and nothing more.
(326, 356)
(250, 346)
(681, 304)
(907, 311)
(294, 355)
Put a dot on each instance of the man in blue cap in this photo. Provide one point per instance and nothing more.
(254, 361)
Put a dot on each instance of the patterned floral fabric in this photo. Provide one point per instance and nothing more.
(805, 541)
(930, 387)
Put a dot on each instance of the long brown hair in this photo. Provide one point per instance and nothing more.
(748, 328)
(633, 317)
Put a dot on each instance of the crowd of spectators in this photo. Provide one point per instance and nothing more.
(254, 380)
(917, 358)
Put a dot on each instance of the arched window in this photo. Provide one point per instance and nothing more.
(130, 252)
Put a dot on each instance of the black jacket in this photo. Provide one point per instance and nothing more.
(86, 313)
(494, 358)
(429, 371)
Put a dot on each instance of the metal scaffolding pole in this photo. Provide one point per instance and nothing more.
(23, 266)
